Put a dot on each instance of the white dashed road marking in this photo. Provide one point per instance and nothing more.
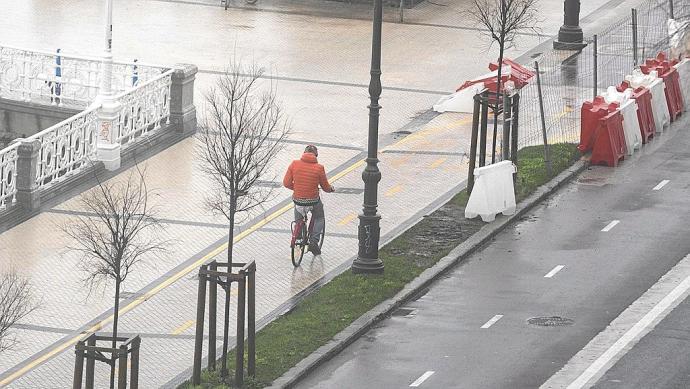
(492, 321)
(661, 184)
(610, 226)
(421, 379)
(554, 271)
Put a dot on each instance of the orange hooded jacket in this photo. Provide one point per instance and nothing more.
(304, 176)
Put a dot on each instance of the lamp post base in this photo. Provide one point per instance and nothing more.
(367, 261)
(569, 38)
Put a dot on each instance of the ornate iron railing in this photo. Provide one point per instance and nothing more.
(57, 78)
(145, 108)
(66, 146)
(8, 175)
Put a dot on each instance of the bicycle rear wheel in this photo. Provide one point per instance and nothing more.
(299, 246)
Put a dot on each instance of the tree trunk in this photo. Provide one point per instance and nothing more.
(226, 319)
(116, 312)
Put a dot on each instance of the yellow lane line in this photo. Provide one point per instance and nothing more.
(186, 325)
(397, 162)
(392, 191)
(96, 327)
(347, 219)
(437, 163)
(566, 110)
(139, 300)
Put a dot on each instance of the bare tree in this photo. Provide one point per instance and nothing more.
(16, 301)
(502, 21)
(244, 131)
(117, 232)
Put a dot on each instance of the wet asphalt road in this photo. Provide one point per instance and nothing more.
(603, 272)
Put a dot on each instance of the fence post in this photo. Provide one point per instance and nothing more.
(670, 9)
(251, 323)
(596, 70)
(515, 122)
(90, 362)
(483, 130)
(634, 37)
(122, 368)
(212, 311)
(134, 372)
(199, 336)
(402, 7)
(505, 141)
(473, 143)
(239, 348)
(78, 366)
(547, 153)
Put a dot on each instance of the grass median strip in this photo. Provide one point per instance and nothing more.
(323, 314)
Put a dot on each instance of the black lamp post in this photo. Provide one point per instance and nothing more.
(369, 231)
(570, 34)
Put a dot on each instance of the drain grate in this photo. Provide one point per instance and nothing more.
(551, 321)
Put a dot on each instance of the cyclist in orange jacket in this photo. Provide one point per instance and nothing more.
(304, 176)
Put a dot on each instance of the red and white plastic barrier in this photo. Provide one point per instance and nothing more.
(628, 108)
(651, 81)
(683, 68)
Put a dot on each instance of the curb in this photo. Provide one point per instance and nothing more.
(475, 242)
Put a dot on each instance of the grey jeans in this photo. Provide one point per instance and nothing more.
(319, 221)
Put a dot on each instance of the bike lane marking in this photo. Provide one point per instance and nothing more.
(661, 184)
(422, 378)
(610, 226)
(554, 271)
(492, 321)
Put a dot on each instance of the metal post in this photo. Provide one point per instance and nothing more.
(596, 70)
(199, 336)
(483, 129)
(90, 362)
(78, 366)
(670, 9)
(505, 139)
(634, 36)
(515, 122)
(473, 143)
(134, 371)
(251, 323)
(402, 7)
(212, 315)
(369, 230)
(239, 347)
(547, 153)
(122, 371)
(570, 35)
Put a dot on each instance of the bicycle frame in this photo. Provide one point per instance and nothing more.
(297, 228)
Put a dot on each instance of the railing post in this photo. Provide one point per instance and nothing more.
(108, 148)
(670, 9)
(134, 371)
(473, 142)
(28, 196)
(182, 110)
(505, 141)
(483, 129)
(547, 152)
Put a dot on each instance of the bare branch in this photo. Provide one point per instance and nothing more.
(16, 302)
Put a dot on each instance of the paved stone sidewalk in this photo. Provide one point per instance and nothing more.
(326, 97)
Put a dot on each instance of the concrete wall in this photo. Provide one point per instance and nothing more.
(21, 119)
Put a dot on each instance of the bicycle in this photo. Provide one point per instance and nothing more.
(301, 234)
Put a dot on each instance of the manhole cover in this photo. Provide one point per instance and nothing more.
(550, 321)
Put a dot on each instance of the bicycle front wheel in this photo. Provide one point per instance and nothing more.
(299, 246)
(323, 236)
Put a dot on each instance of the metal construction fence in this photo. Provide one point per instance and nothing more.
(570, 77)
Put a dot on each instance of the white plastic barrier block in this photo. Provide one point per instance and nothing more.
(628, 108)
(493, 192)
(461, 101)
(683, 69)
(662, 118)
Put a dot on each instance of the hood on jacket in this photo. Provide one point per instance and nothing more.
(309, 158)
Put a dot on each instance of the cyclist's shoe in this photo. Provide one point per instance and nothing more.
(314, 248)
